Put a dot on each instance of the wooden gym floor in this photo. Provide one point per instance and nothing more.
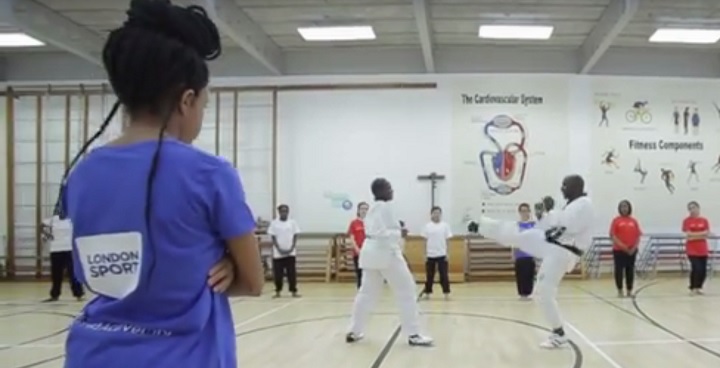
(484, 325)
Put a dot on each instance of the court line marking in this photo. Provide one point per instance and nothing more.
(266, 313)
(31, 346)
(593, 346)
(512, 300)
(672, 296)
(578, 363)
(655, 342)
(657, 324)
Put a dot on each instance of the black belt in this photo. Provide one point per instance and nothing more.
(552, 235)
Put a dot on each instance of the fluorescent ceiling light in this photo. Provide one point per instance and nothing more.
(347, 33)
(501, 32)
(18, 40)
(678, 35)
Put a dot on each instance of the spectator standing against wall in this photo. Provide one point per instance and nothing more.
(696, 229)
(625, 233)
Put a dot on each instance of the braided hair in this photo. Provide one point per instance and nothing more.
(157, 55)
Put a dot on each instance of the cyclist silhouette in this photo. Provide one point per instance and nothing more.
(640, 112)
(639, 105)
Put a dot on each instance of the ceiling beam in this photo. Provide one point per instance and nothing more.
(616, 16)
(49, 26)
(240, 28)
(420, 8)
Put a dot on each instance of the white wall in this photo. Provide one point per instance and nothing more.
(331, 144)
(407, 131)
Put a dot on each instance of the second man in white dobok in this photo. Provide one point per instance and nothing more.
(381, 258)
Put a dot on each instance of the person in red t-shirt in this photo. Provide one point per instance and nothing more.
(625, 233)
(356, 233)
(696, 229)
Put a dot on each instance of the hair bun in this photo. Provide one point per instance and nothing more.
(189, 26)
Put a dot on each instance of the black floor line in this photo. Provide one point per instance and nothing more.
(389, 344)
(662, 327)
(577, 352)
(575, 348)
(612, 304)
(40, 338)
(41, 362)
(645, 317)
(386, 349)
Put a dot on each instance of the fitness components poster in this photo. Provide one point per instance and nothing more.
(657, 144)
(509, 141)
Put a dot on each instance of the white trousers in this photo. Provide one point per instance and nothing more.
(401, 282)
(555, 261)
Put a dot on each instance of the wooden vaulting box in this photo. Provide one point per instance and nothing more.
(415, 254)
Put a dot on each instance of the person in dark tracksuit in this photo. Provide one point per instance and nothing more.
(284, 232)
(524, 263)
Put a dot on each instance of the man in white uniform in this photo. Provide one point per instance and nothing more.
(559, 248)
(57, 232)
(381, 259)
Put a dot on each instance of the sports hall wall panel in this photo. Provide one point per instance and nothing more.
(316, 147)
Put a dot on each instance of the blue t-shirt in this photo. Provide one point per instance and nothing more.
(523, 226)
(155, 308)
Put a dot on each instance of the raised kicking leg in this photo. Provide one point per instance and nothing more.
(508, 234)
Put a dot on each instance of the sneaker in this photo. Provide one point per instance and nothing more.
(555, 341)
(525, 298)
(699, 292)
(296, 295)
(352, 337)
(277, 295)
(629, 294)
(447, 297)
(419, 340)
(426, 296)
(50, 300)
(620, 294)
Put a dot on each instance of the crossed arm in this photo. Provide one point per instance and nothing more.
(697, 234)
(693, 235)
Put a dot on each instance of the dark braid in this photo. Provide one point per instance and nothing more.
(59, 210)
(157, 55)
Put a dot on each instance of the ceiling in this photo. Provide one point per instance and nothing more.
(267, 29)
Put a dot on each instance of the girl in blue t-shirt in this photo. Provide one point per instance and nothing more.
(524, 263)
(153, 216)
